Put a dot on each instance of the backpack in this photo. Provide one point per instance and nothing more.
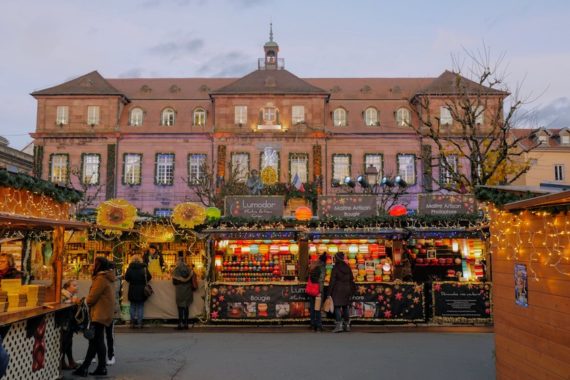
(81, 316)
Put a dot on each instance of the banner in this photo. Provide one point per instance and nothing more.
(402, 302)
(460, 300)
(347, 206)
(260, 207)
(446, 204)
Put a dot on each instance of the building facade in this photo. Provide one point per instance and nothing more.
(14, 160)
(147, 140)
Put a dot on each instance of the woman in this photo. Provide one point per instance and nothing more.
(101, 302)
(182, 280)
(69, 296)
(137, 276)
(341, 288)
(8, 267)
(317, 276)
(154, 260)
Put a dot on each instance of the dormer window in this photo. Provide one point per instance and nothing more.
(445, 117)
(136, 117)
(199, 117)
(403, 117)
(168, 117)
(565, 139)
(339, 117)
(62, 115)
(542, 139)
(371, 117)
(240, 115)
(93, 115)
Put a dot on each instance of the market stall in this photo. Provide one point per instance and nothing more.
(36, 213)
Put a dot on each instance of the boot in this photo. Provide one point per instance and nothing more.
(346, 326)
(99, 371)
(81, 372)
(337, 327)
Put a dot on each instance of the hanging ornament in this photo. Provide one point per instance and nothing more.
(213, 213)
(188, 214)
(116, 213)
(303, 213)
(398, 210)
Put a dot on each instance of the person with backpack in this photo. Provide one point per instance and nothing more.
(317, 276)
(341, 289)
(184, 280)
(137, 276)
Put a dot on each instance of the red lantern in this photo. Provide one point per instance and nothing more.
(398, 210)
(303, 213)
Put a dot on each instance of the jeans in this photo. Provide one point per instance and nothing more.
(315, 314)
(137, 311)
(110, 335)
(183, 316)
(96, 346)
(340, 313)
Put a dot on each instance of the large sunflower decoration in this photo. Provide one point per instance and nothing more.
(116, 213)
(269, 175)
(188, 214)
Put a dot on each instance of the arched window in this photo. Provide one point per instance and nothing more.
(371, 117)
(136, 117)
(403, 117)
(167, 117)
(339, 117)
(199, 117)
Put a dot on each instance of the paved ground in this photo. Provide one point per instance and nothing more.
(295, 353)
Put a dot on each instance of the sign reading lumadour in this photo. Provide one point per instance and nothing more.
(347, 206)
(453, 300)
(255, 206)
(446, 204)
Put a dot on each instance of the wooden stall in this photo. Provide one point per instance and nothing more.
(530, 242)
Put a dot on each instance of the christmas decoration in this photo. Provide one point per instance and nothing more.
(188, 215)
(116, 213)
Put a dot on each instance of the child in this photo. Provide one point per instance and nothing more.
(69, 296)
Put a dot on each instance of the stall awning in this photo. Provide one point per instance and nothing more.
(25, 222)
(550, 200)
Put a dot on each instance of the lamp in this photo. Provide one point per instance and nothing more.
(371, 173)
(362, 181)
(400, 181)
(335, 183)
(386, 181)
(349, 182)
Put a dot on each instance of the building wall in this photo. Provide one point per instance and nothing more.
(532, 342)
(542, 166)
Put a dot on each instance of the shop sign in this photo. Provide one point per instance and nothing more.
(459, 300)
(446, 204)
(260, 207)
(371, 302)
(347, 206)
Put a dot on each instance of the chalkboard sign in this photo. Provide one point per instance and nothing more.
(347, 206)
(261, 207)
(402, 302)
(460, 300)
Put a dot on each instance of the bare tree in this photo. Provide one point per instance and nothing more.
(465, 120)
(211, 191)
(90, 190)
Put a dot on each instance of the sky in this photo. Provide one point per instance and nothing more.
(45, 43)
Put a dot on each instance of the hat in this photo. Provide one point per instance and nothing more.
(339, 256)
(152, 246)
(323, 257)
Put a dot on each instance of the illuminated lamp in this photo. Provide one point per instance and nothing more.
(245, 249)
(398, 210)
(335, 183)
(400, 181)
(213, 213)
(332, 248)
(303, 213)
(386, 267)
(353, 248)
(362, 181)
(218, 261)
(284, 248)
(322, 248)
(254, 249)
(386, 181)
(455, 246)
(273, 248)
(363, 248)
(294, 248)
(349, 182)
(343, 247)
(264, 249)
(312, 249)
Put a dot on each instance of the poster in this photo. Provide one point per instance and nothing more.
(261, 301)
(521, 285)
(259, 207)
(446, 204)
(460, 300)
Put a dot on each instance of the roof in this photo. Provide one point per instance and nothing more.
(450, 83)
(529, 141)
(370, 88)
(89, 84)
(270, 82)
(169, 88)
(550, 200)
(522, 189)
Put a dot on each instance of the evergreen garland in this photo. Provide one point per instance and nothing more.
(37, 186)
(500, 197)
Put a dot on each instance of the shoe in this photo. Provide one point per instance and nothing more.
(337, 327)
(346, 326)
(81, 372)
(111, 361)
(179, 327)
(99, 372)
(80, 361)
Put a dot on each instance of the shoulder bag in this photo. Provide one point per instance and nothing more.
(148, 290)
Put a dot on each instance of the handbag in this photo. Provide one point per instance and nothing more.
(312, 289)
(194, 282)
(328, 306)
(89, 332)
(148, 290)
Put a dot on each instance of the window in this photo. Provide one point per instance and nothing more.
(371, 117)
(479, 115)
(270, 157)
(93, 115)
(168, 117)
(565, 139)
(376, 160)
(62, 115)
(136, 117)
(163, 212)
(543, 139)
(90, 169)
(403, 117)
(196, 167)
(269, 115)
(299, 165)
(164, 174)
(445, 116)
(339, 117)
(559, 172)
(407, 167)
(59, 168)
(341, 167)
(199, 117)
(298, 114)
(240, 166)
(240, 114)
(132, 164)
(447, 169)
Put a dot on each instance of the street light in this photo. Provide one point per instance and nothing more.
(349, 182)
(371, 174)
(400, 181)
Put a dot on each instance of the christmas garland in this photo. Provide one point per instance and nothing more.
(500, 197)
(38, 186)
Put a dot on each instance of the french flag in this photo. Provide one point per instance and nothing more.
(297, 183)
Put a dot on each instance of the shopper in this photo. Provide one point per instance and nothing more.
(341, 288)
(69, 326)
(8, 267)
(137, 276)
(317, 276)
(182, 280)
(153, 259)
(101, 302)
(110, 330)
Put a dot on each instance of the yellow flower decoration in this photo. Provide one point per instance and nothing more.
(189, 214)
(269, 175)
(116, 213)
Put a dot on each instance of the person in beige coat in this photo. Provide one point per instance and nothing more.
(101, 302)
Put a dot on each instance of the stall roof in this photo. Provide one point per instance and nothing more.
(25, 222)
(550, 200)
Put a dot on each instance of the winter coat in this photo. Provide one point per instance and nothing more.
(101, 297)
(317, 275)
(182, 280)
(341, 285)
(135, 276)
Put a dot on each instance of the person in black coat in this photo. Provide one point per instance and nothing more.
(341, 289)
(137, 276)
